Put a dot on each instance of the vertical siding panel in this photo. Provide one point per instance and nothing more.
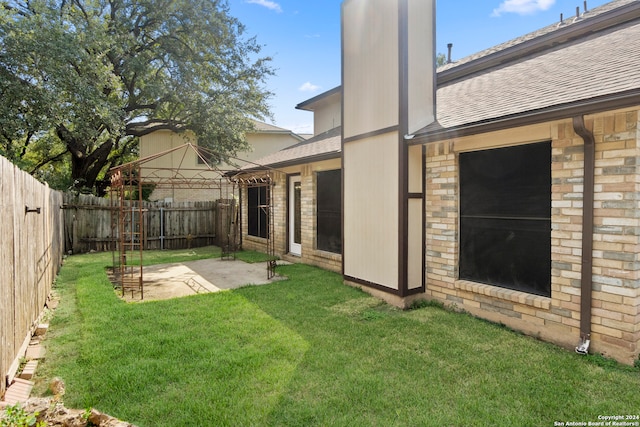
(19, 260)
(7, 279)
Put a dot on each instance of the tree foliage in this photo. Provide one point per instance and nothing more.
(81, 79)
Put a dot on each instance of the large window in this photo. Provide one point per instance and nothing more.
(505, 217)
(329, 211)
(257, 212)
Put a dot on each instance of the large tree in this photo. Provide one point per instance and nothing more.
(81, 79)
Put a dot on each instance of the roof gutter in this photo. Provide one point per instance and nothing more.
(586, 279)
(615, 101)
(306, 105)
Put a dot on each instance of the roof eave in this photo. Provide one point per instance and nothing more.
(296, 162)
(305, 105)
(615, 101)
(279, 132)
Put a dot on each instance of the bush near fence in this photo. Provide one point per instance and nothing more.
(31, 250)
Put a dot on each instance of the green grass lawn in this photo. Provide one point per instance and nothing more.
(310, 351)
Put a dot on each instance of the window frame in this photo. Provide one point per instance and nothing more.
(257, 217)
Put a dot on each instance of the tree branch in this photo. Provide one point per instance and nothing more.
(133, 107)
(48, 160)
(26, 143)
(145, 128)
(77, 149)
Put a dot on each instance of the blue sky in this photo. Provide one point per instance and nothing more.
(303, 38)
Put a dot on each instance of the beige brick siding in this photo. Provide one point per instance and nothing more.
(441, 222)
(279, 210)
(616, 254)
(616, 265)
(310, 255)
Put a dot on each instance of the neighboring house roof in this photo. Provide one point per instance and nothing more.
(579, 66)
(323, 146)
(261, 127)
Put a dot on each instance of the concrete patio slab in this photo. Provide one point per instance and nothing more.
(164, 281)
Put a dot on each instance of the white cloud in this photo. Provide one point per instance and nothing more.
(309, 87)
(268, 4)
(522, 7)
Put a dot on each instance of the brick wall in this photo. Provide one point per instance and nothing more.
(309, 255)
(616, 266)
(616, 255)
(441, 222)
(279, 211)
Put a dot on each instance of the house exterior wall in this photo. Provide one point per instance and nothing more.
(369, 42)
(328, 116)
(161, 141)
(616, 308)
(616, 252)
(371, 193)
(262, 143)
(310, 253)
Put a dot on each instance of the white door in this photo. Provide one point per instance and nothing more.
(295, 208)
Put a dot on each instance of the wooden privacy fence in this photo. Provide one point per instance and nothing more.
(179, 225)
(31, 249)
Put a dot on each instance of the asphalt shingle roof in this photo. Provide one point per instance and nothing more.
(600, 64)
(549, 29)
(321, 145)
(266, 127)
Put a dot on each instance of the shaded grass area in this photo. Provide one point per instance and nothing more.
(310, 351)
(194, 254)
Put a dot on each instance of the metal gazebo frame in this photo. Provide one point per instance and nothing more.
(128, 212)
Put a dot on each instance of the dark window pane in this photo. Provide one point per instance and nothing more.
(297, 207)
(329, 211)
(505, 217)
(513, 181)
(256, 212)
(513, 254)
